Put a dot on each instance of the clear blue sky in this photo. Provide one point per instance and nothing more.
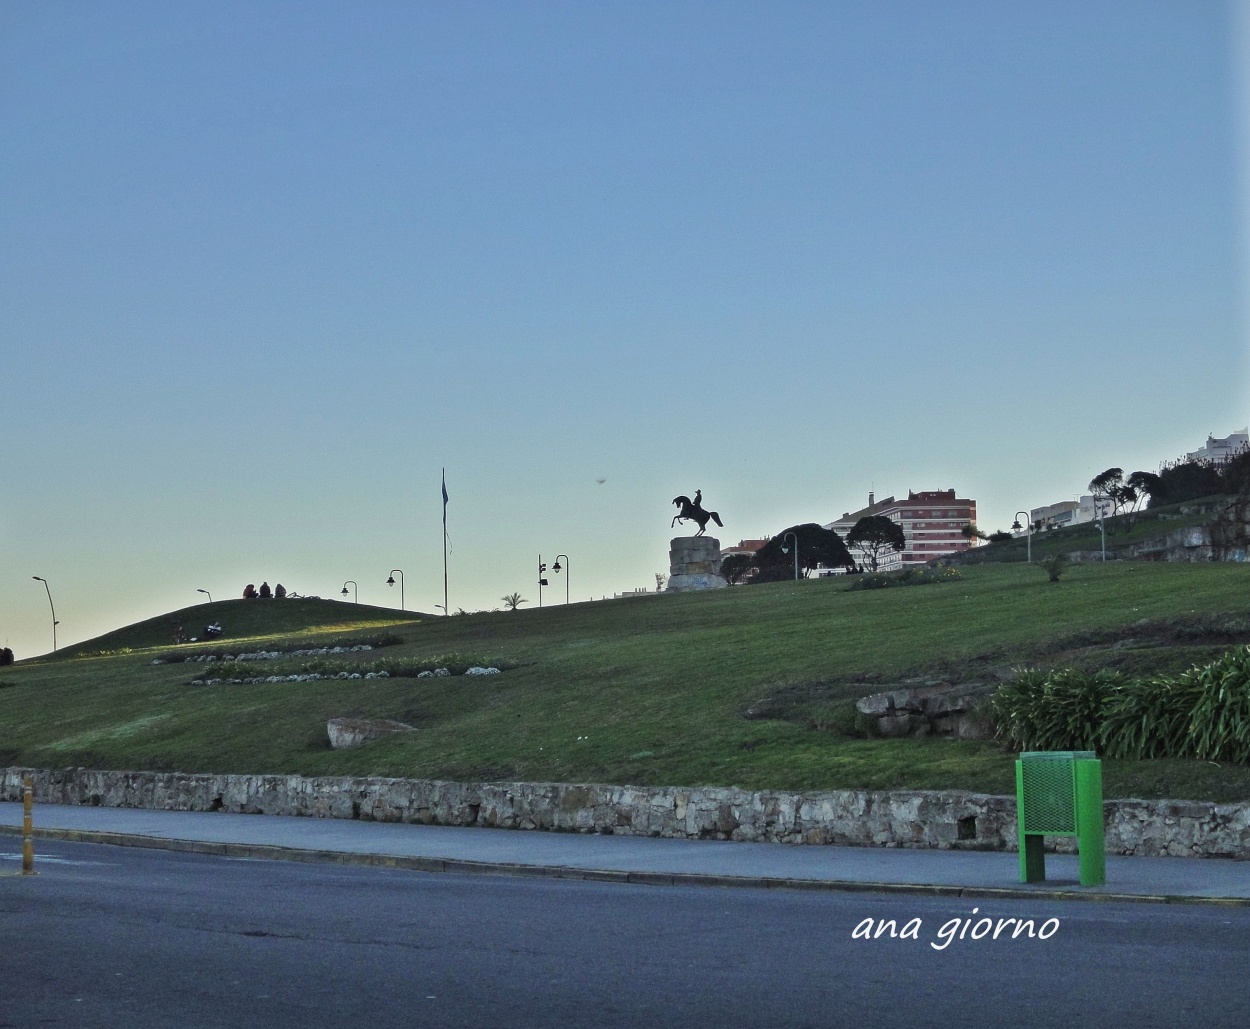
(266, 268)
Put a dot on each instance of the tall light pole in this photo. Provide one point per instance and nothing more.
(207, 594)
(355, 590)
(391, 582)
(786, 550)
(542, 571)
(55, 623)
(1102, 525)
(1028, 524)
(567, 573)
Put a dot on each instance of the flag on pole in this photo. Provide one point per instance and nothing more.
(446, 609)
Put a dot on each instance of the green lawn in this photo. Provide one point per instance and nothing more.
(648, 690)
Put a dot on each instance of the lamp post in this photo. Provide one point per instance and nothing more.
(207, 594)
(542, 570)
(567, 573)
(355, 590)
(55, 623)
(786, 550)
(1028, 523)
(1102, 526)
(391, 582)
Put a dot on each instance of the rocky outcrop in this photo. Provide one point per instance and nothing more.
(902, 818)
(930, 708)
(1225, 538)
(354, 732)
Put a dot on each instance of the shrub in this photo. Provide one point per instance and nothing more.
(907, 577)
(1059, 710)
(1219, 723)
(1146, 718)
(1054, 565)
(1203, 713)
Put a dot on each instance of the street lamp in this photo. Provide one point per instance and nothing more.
(786, 550)
(1102, 526)
(55, 623)
(567, 573)
(355, 590)
(1028, 523)
(391, 582)
(207, 594)
(542, 570)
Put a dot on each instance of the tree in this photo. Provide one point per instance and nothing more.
(735, 567)
(873, 535)
(818, 546)
(971, 532)
(1136, 488)
(1235, 473)
(1110, 487)
(1188, 480)
(1001, 536)
(513, 601)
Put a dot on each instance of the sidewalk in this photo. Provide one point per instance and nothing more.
(628, 858)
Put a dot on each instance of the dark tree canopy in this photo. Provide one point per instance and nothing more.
(817, 546)
(735, 567)
(1188, 481)
(873, 535)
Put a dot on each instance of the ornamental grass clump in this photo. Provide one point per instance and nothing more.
(1203, 713)
(1219, 725)
(1059, 710)
(1147, 718)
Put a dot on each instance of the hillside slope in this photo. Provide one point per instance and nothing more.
(647, 690)
(239, 619)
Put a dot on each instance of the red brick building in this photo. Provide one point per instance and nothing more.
(931, 522)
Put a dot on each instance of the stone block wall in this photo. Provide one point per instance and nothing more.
(903, 818)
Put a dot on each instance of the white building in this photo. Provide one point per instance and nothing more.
(1067, 512)
(1217, 451)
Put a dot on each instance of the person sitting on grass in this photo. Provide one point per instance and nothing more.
(249, 592)
(279, 592)
(265, 592)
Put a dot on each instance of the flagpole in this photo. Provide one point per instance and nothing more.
(446, 611)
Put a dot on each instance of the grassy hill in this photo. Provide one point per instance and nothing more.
(258, 620)
(1088, 537)
(644, 690)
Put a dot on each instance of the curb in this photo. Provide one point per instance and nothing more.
(271, 852)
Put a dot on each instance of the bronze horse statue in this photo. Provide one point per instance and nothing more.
(693, 510)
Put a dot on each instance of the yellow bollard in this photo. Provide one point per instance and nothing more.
(28, 843)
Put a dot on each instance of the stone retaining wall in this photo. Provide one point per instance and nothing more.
(944, 820)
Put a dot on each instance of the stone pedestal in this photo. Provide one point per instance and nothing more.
(694, 564)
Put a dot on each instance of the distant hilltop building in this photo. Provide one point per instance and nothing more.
(1217, 451)
(932, 521)
(1075, 512)
(1065, 513)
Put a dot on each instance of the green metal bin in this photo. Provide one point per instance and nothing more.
(1059, 793)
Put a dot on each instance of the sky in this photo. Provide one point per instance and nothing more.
(266, 269)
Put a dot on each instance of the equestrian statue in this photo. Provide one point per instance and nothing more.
(693, 510)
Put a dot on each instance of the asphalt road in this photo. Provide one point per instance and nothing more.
(110, 936)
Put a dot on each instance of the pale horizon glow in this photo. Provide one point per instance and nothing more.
(266, 269)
